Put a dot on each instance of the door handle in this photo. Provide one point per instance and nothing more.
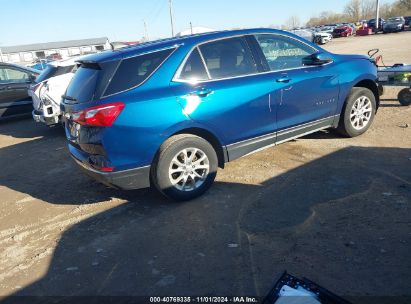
(283, 80)
(202, 92)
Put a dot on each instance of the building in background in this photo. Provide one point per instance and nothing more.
(25, 54)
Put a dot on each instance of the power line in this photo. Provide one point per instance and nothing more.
(154, 9)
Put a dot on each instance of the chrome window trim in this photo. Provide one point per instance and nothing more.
(204, 63)
(177, 78)
(174, 47)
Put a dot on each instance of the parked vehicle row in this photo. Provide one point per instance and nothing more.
(394, 24)
(169, 113)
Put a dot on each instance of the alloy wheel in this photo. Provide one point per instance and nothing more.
(189, 169)
(361, 113)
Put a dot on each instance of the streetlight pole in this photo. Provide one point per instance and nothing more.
(145, 31)
(171, 17)
(377, 13)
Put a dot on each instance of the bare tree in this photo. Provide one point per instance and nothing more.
(353, 10)
(292, 22)
(368, 8)
(357, 10)
(385, 10)
(405, 3)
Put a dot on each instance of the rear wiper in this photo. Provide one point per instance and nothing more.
(69, 98)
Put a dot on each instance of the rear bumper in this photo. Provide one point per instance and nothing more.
(392, 30)
(39, 116)
(127, 180)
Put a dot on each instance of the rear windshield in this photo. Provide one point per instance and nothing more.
(83, 84)
(52, 71)
(135, 70)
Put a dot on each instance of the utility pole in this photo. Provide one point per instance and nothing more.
(170, 3)
(377, 20)
(191, 27)
(1, 56)
(145, 31)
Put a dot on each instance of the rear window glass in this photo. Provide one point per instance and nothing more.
(135, 70)
(228, 58)
(83, 84)
(52, 71)
(194, 68)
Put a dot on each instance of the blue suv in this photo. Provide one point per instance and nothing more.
(168, 113)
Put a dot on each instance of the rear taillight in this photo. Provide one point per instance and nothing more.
(99, 116)
(105, 169)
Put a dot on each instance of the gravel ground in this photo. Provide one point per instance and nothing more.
(334, 210)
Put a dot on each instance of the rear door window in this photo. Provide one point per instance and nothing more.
(135, 70)
(228, 58)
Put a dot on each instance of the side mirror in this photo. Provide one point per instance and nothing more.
(317, 59)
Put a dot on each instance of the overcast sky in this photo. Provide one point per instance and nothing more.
(32, 21)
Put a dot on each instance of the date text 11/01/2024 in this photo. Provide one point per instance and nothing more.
(203, 300)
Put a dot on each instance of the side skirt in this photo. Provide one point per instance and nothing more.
(259, 143)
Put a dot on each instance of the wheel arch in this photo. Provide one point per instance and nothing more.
(211, 138)
(372, 86)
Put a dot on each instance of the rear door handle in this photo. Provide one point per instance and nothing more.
(202, 92)
(283, 80)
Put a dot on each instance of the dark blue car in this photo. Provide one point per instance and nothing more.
(168, 113)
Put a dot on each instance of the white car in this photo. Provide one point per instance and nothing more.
(322, 37)
(50, 86)
(304, 33)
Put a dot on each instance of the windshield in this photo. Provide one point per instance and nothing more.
(52, 71)
(394, 19)
(83, 84)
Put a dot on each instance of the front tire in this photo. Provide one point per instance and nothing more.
(358, 112)
(185, 167)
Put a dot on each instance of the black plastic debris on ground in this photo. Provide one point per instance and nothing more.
(291, 290)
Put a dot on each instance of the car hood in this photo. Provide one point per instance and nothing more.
(354, 57)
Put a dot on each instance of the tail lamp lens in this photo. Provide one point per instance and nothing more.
(99, 116)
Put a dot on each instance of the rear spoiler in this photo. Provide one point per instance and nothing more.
(89, 64)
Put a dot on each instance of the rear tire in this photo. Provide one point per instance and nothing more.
(185, 167)
(358, 112)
